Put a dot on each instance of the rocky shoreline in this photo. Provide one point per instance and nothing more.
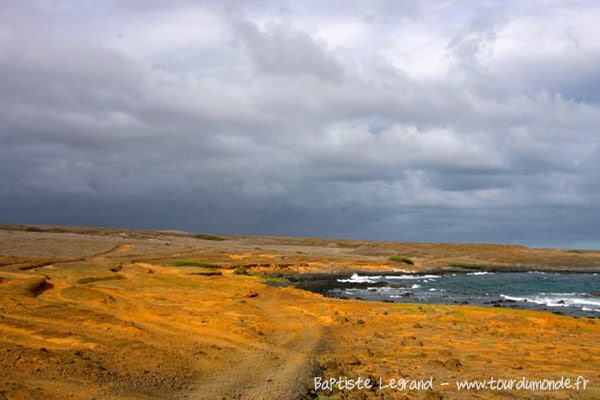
(141, 315)
(321, 282)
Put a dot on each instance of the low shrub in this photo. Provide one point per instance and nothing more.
(241, 271)
(186, 263)
(401, 259)
(206, 236)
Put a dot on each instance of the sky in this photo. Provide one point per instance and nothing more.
(436, 121)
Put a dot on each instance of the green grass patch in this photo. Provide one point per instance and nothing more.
(186, 263)
(401, 259)
(241, 271)
(412, 308)
(574, 251)
(206, 236)
(467, 265)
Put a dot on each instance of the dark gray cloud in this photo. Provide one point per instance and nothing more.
(395, 121)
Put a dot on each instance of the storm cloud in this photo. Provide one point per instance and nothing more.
(429, 121)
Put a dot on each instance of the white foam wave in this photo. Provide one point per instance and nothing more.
(407, 277)
(381, 289)
(586, 302)
(556, 300)
(355, 278)
(481, 273)
(590, 309)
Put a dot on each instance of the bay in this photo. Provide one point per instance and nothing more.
(571, 294)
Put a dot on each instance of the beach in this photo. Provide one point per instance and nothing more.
(127, 314)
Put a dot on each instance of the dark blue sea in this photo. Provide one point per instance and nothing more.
(571, 294)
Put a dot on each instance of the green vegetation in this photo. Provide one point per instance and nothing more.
(33, 229)
(467, 265)
(412, 308)
(241, 271)
(574, 251)
(185, 263)
(206, 236)
(401, 259)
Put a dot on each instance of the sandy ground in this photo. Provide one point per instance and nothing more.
(88, 313)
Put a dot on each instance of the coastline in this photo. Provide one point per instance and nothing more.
(104, 313)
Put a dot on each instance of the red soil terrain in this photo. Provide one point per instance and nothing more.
(90, 313)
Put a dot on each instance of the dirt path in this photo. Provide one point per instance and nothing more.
(282, 366)
(117, 249)
(282, 372)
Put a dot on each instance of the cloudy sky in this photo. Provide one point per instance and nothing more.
(445, 121)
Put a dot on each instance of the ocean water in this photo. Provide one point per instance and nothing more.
(570, 294)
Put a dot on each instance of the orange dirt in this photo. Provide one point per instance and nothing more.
(88, 313)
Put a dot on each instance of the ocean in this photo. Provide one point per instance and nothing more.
(571, 294)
